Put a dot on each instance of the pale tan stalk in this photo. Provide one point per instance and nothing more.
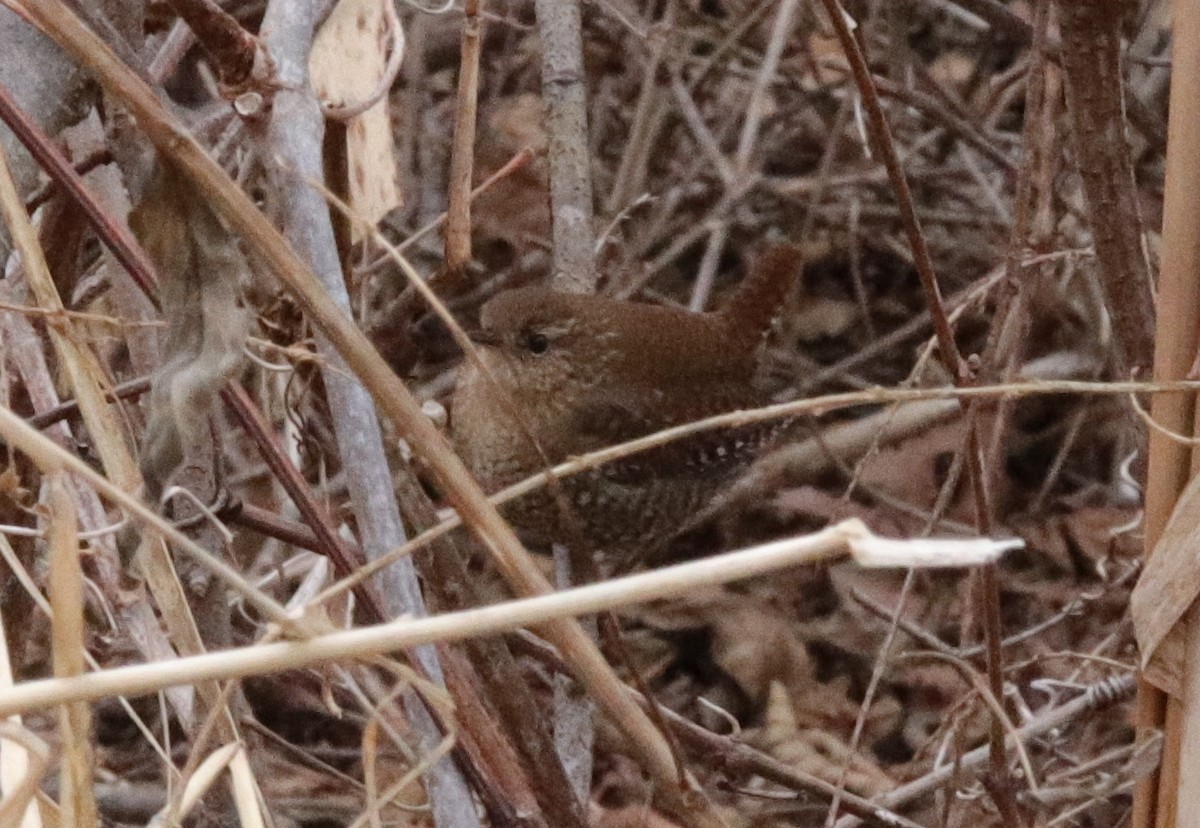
(1158, 797)
(849, 536)
(76, 799)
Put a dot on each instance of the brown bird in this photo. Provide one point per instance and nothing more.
(584, 372)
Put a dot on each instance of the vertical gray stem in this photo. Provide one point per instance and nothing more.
(293, 137)
(565, 96)
(574, 723)
(560, 25)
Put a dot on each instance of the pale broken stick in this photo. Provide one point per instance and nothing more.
(850, 537)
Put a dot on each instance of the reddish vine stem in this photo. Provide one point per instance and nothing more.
(270, 525)
(345, 559)
(881, 141)
(1091, 61)
(951, 356)
(51, 159)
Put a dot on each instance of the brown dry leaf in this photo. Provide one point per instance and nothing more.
(1104, 531)
(914, 470)
(811, 502)
(828, 706)
(824, 45)
(953, 69)
(1166, 590)
(693, 611)
(349, 58)
(10, 486)
(516, 122)
(816, 751)
(882, 588)
(824, 318)
(759, 648)
(1050, 542)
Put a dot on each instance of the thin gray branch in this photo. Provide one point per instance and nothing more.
(293, 138)
(565, 96)
(564, 93)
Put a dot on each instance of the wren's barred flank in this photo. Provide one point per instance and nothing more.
(585, 372)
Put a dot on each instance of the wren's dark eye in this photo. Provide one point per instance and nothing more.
(537, 343)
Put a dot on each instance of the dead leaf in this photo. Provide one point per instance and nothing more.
(1166, 590)
(758, 648)
(516, 208)
(816, 751)
(349, 58)
(201, 269)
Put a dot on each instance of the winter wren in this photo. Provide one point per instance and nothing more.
(585, 372)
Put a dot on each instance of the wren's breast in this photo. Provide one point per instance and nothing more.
(489, 437)
(483, 432)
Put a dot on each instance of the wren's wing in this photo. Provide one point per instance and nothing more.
(613, 418)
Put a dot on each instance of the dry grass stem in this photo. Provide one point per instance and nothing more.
(919, 408)
(1170, 464)
(66, 599)
(51, 458)
(841, 539)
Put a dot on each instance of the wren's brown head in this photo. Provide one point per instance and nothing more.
(576, 373)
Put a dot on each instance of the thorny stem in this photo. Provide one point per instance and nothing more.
(344, 558)
(48, 156)
(141, 270)
(128, 252)
(231, 48)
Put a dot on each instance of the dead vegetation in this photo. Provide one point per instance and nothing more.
(950, 239)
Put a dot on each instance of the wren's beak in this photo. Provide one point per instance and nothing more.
(488, 339)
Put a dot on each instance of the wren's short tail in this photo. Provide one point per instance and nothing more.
(773, 271)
